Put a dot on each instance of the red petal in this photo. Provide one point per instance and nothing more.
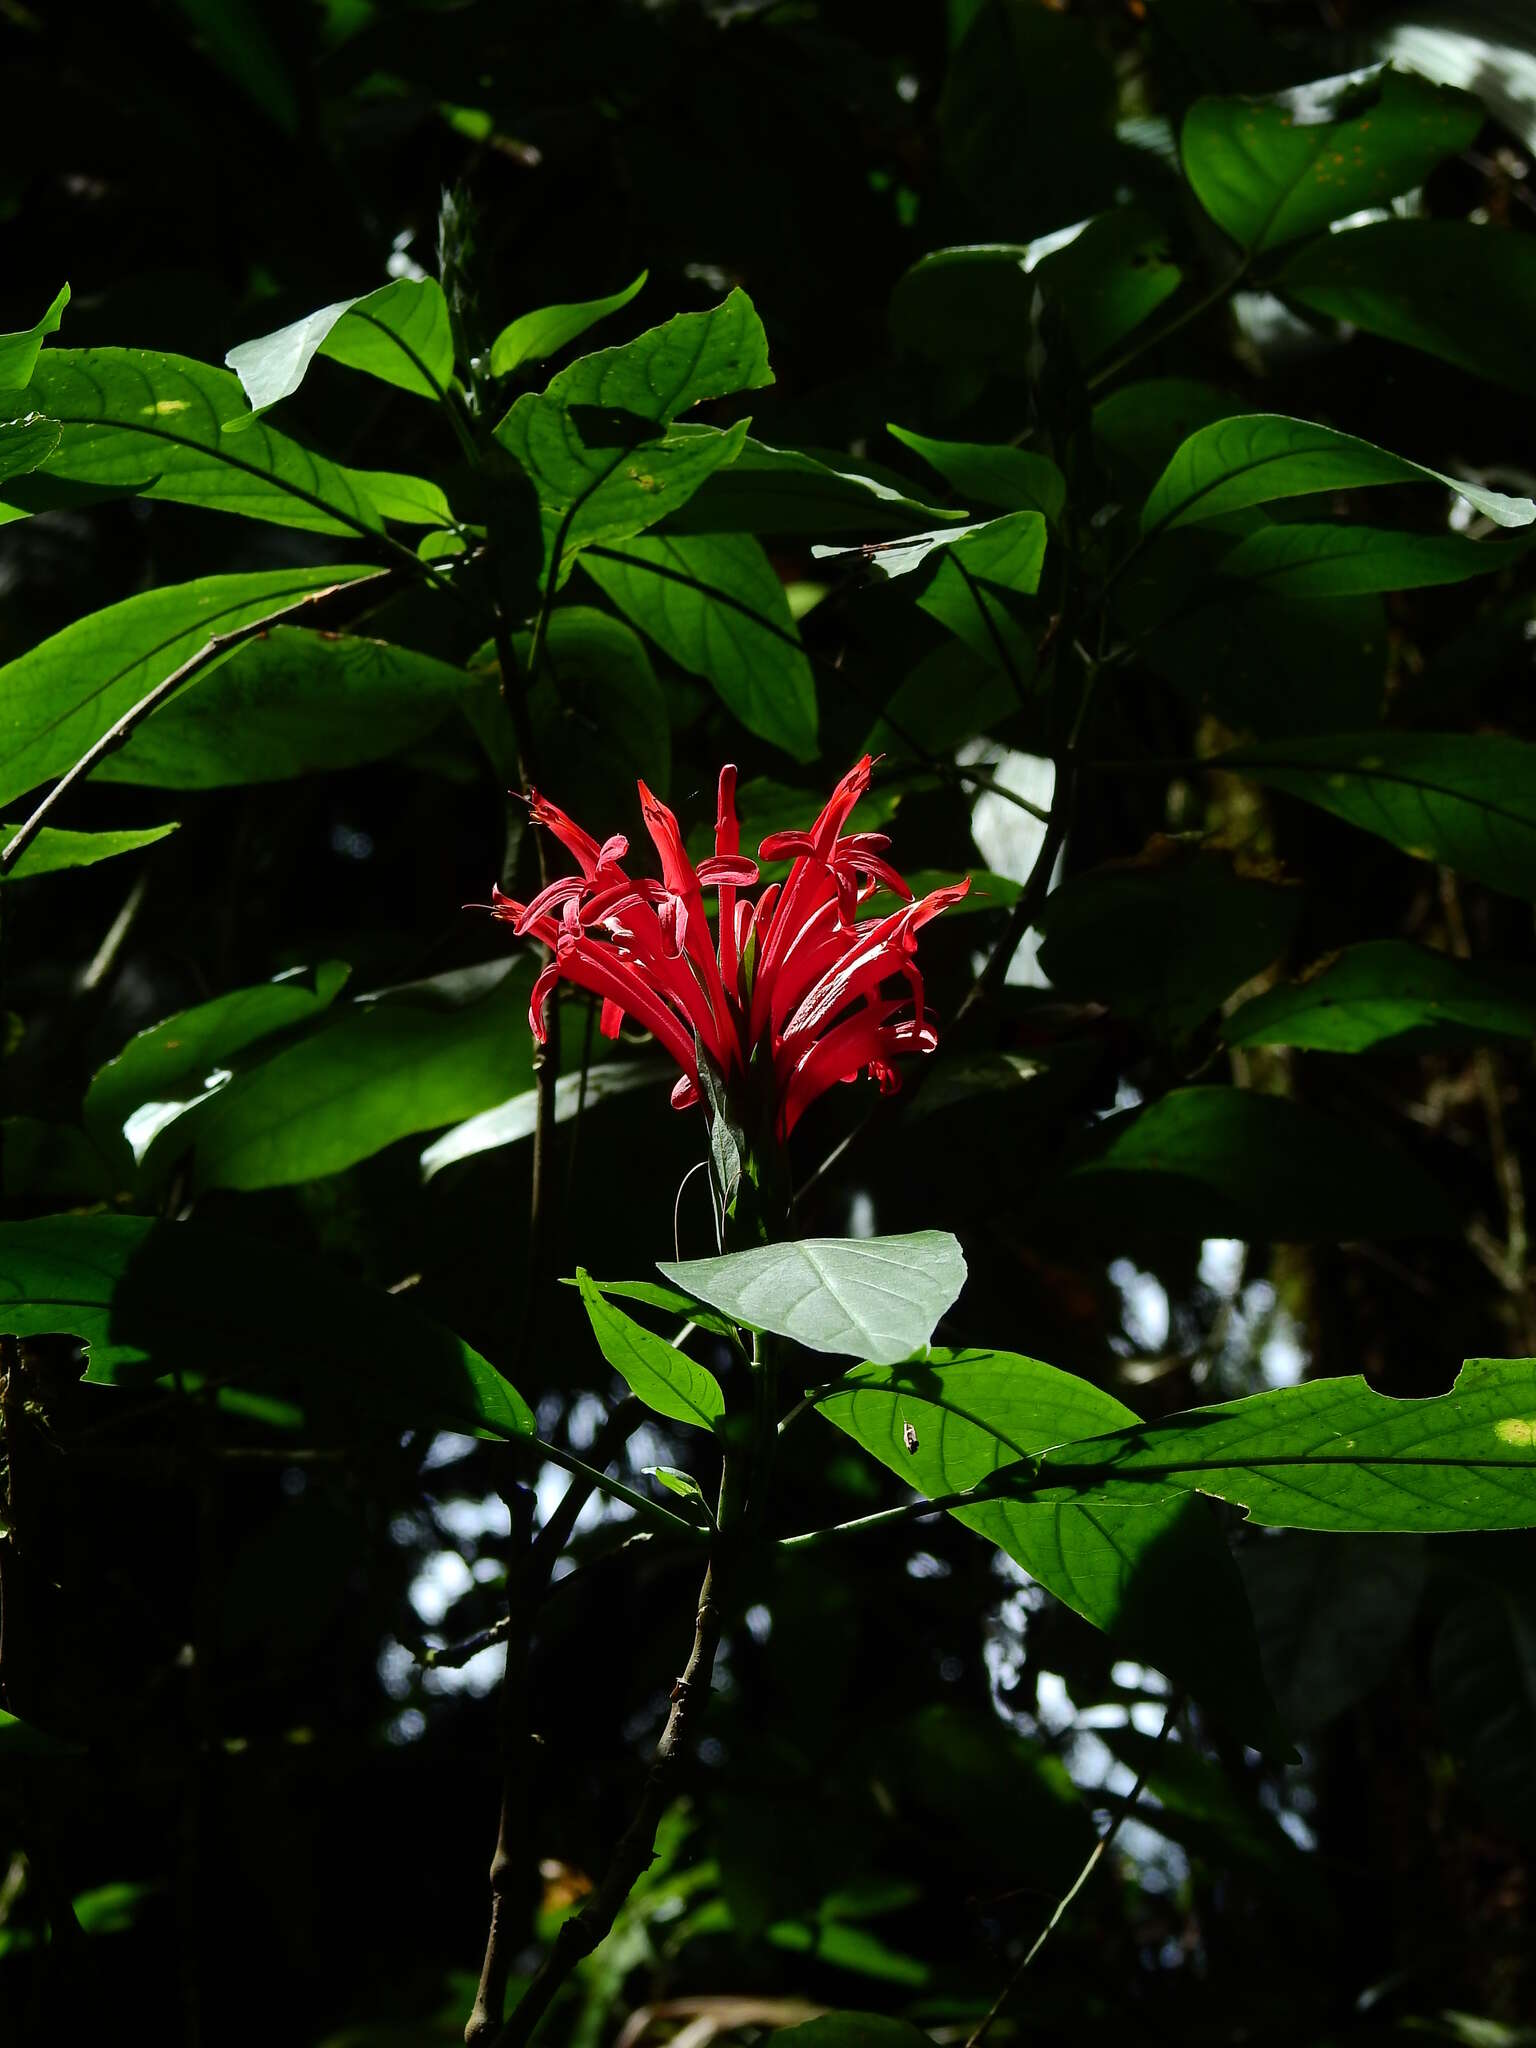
(677, 869)
(727, 825)
(611, 1022)
(731, 870)
(567, 831)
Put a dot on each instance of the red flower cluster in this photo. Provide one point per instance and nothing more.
(797, 985)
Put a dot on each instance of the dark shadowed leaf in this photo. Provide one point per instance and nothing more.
(151, 1299)
(1271, 169)
(1110, 278)
(785, 490)
(1485, 1688)
(1227, 1162)
(872, 1297)
(1333, 1615)
(1349, 561)
(1467, 799)
(985, 473)
(854, 2030)
(1463, 293)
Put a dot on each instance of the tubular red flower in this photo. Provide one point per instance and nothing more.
(793, 993)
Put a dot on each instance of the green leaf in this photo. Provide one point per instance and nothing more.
(400, 333)
(786, 491)
(152, 426)
(1333, 1614)
(1334, 1454)
(681, 1483)
(713, 603)
(1127, 1570)
(1166, 937)
(293, 702)
(1457, 291)
(59, 698)
(665, 1379)
(1484, 1674)
(670, 1299)
(670, 368)
(164, 1068)
(19, 352)
(376, 1069)
(25, 445)
(1256, 457)
(873, 1297)
(1273, 168)
(1110, 278)
(1373, 993)
(52, 851)
(1348, 561)
(967, 306)
(1013, 479)
(1467, 799)
(534, 336)
(410, 500)
(510, 1122)
(151, 1299)
(977, 575)
(949, 696)
(599, 714)
(1227, 1162)
(1139, 426)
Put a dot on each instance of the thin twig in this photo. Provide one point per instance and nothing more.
(1095, 1857)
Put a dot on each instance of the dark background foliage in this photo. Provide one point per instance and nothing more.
(273, 1819)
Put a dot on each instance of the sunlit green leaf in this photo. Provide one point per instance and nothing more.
(60, 697)
(510, 1122)
(713, 603)
(1373, 993)
(665, 1378)
(993, 473)
(19, 352)
(1334, 1454)
(399, 333)
(1271, 169)
(25, 445)
(1256, 457)
(785, 490)
(51, 850)
(533, 336)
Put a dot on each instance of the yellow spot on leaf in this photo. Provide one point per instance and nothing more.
(1517, 1429)
(162, 406)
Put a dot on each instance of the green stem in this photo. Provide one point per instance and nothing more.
(648, 1511)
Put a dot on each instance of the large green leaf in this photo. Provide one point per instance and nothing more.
(1228, 1162)
(1334, 1454)
(713, 603)
(51, 851)
(151, 1299)
(1271, 169)
(1373, 993)
(25, 445)
(1165, 938)
(293, 702)
(375, 1070)
(596, 442)
(1465, 294)
(400, 333)
(534, 336)
(61, 696)
(975, 578)
(975, 1414)
(599, 713)
(1139, 426)
(1315, 560)
(167, 1066)
(1485, 1689)
(1255, 457)
(153, 426)
(19, 352)
(1333, 1615)
(948, 696)
(512, 1121)
(871, 1297)
(993, 473)
(1467, 799)
(966, 306)
(785, 490)
(665, 1378)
